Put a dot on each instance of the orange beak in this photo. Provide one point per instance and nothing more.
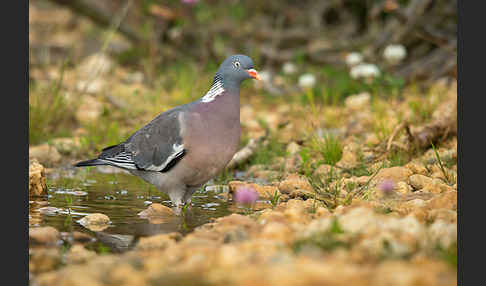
(254, 74)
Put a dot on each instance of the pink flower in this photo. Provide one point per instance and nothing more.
(387, 186)
(245, 196)
(189, 2)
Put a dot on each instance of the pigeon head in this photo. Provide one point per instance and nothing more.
(237, 68)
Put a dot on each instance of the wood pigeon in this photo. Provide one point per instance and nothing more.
(184, 147)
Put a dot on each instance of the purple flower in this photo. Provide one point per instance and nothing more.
(189, 2)
(245, 196)
(387, 186)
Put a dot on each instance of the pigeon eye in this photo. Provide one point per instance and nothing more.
(237, 64)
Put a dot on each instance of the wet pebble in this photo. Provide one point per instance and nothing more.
(44, 259)
(76, 236)
(217, 188)
(79, 254)
(44, 235)
(37, 179)
(95, 221)
(210, 205)
(156, 209)
(70, 192)
(49, 210)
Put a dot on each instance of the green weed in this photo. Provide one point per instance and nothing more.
(101, 134)
(444, 172)
(50, 115)
(397, 158)
(327, 188)
(448, 254)
(69, 203)
(330, 149)
(267, 152)
(275, 200)
(306, 168)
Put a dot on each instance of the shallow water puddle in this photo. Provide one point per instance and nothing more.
(121, 196)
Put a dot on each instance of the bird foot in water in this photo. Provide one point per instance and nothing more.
(182, 208)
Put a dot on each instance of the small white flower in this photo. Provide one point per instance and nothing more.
(265, 79)
(289, 68)
(364, 70)
(353, 59)
(265, 76)
(394, 53)
(307, 80)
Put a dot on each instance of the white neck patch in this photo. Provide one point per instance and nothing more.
(215, 90)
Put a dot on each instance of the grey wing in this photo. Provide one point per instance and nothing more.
(157, 146)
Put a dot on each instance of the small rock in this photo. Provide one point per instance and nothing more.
(296, 211)
(447, 200)
(49, 210)
(419, 181)
(324, 171)
(44, 235)
(277, 231)
(44, 259)
(403, 188)
(395, 174)
(349, 158)
(157, 213)
(294, 182)
(416, 168)
(393, 272)
(301, 193)
(362, 180)
(37, 179)
(292, 163)
(76, 236)
(81, 237)
(426, 184)
(236, 235)
(443, 232)
(322, 212)
(45, 154)
(446, 215)
(269, 215)
(95, 221)
(79, 254)
(159, 241)
(264, 192)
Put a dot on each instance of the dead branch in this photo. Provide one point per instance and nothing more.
(444, 124)
(246, 152)
(394, 133)
(100, 16)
